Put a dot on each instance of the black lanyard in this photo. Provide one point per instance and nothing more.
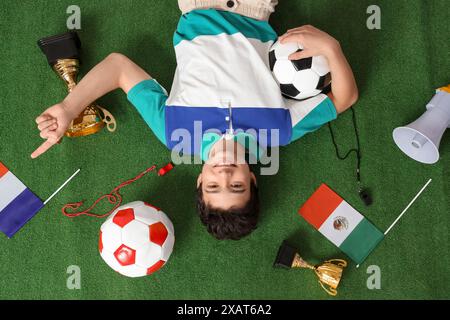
(363, 192)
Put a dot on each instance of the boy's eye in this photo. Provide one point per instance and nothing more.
(236, 186)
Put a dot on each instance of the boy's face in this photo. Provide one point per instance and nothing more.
(226, 178)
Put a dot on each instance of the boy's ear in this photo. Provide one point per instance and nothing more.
(199, 180)
(253, 178)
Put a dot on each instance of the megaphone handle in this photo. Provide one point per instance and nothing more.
(441, 101)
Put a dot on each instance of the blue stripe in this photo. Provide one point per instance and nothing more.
(212, 118)
(180, 119)
(213, 22)
(265, 119)
(19, 212)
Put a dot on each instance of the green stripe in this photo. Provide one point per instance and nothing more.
(213, 22)
(323, 113)
(149, 98)
(360, 243)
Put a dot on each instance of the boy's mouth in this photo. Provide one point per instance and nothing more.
(225, 165)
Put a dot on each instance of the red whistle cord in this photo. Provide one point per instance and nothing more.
(114, 198)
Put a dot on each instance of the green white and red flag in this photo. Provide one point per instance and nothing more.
(340, 223)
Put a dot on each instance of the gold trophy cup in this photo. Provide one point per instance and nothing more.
(329, 272)
(62, 53)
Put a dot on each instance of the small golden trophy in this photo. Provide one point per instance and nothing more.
(62, 52)
(329, 272)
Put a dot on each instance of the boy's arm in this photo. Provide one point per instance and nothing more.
(344, 91)
(116, 71)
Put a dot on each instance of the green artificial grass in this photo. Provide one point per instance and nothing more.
(397, 69)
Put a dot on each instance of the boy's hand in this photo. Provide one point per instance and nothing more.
(344, 91)
(53, 124)
(314, 41)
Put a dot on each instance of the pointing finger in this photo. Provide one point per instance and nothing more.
(42, 149)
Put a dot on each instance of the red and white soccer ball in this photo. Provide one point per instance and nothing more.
(137, 239)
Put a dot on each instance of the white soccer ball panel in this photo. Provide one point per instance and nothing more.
(146, 214)
(133, 271)
(148, 254)
(135, 234)
(284, 71)
(110, 260)
(320, 65)
(307, 95)
(283, 51)
(306, 81)
(167, 247)
(131, 205)
(106, 223)
(111, 236)
(166, 221)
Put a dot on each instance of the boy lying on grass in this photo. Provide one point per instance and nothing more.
(224, 90)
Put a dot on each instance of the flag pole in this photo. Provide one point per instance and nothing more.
(406, 209)
(62, 187)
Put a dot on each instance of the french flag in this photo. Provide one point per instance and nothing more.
(17, 203)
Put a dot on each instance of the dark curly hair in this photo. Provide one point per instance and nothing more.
(233, 224)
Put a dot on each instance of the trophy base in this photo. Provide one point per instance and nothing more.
(329, 272)
(88, 123)
(86, 131)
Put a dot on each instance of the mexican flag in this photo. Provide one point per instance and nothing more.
(341, 224)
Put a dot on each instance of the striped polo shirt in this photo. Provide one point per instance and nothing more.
(223, 84)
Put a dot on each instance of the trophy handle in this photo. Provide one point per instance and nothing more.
(330, 291)
(339, 262)
(109, 120)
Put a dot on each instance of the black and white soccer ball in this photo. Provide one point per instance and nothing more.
(299, 79)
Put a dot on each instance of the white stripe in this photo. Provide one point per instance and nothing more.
(233, 68)
(10, 188)
(352, 217)
(300, 109)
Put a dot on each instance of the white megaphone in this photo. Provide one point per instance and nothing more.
(420, 140)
